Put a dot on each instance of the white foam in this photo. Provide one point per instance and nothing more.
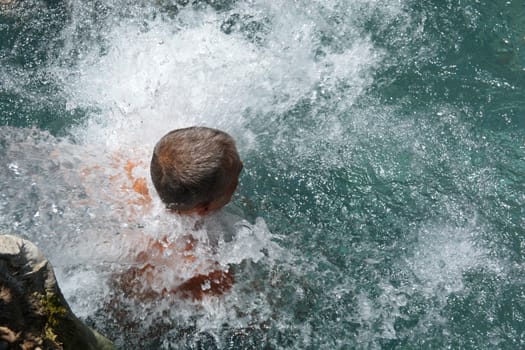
(169, 76)
(444, 254)
(154, 76)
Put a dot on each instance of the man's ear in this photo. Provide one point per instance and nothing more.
(203, 209)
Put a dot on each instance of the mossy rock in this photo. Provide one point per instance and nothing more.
(33, 311)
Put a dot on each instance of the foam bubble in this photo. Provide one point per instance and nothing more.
(167, 75)
(444, 254)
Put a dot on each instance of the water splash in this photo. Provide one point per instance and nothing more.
(370, 209)
(78, 207)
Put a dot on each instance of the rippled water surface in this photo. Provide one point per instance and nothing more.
(382, 201)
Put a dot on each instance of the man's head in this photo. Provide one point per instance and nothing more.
(195, 170)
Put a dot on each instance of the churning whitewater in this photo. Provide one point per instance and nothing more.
(381, 201)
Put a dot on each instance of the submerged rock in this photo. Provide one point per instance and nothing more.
(5, 4)
(33, 311)
(10, 8)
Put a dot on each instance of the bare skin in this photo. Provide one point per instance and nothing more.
(209, 279)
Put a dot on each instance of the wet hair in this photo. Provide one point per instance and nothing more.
(193, 166)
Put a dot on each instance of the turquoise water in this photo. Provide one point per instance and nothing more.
(384, 147)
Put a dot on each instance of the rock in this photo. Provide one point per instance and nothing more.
(6, 2)
(6, 7)
(33, 311)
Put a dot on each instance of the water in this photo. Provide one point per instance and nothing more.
(382, 201)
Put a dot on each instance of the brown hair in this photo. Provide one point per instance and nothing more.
(194, 166)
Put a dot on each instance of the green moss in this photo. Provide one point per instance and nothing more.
(53, 311)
